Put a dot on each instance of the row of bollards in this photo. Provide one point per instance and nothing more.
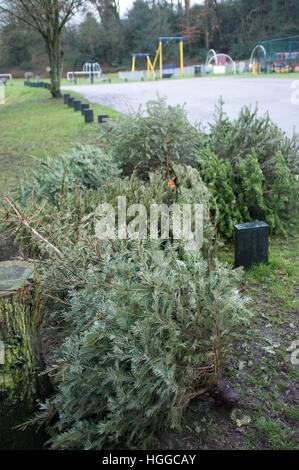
(45, 85)
(72, 103)
(84, 108)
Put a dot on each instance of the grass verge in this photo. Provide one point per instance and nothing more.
(33, 126)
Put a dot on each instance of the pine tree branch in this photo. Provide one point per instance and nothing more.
(20, 216)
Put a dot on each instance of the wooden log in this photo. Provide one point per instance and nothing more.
(20, 323)
(20, 334)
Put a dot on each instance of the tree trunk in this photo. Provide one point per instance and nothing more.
(55, 55)
(20, 322)
(21, 361)
(207, 40)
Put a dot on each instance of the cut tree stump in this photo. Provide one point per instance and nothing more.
(20, 336)
(20, 329)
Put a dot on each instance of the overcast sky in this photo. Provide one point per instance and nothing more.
(125, 4)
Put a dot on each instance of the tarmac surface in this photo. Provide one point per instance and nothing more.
(278, 96)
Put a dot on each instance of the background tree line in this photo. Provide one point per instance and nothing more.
(231, 26)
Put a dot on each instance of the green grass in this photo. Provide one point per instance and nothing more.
(33, 126)
(293, 413)
(269, 376)
(274, 433)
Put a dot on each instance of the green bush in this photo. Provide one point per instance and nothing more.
(74, 213)
(235, 140)
(84, 167)
(160, 137)
(251, 188)
(281, 194)
(219, 177)
(149, 330)
(250, 169)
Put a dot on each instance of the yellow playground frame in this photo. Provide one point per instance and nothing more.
(151, 66)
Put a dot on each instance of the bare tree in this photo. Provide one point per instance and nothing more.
(106, 8)
(48, 17)
(207, 21)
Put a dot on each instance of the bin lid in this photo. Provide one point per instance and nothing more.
(252, 226)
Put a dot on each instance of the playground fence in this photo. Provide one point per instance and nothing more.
(282, 55)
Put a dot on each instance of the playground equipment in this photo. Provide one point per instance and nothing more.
(28, 75)
(91, 70)
(4, 77)
(2, 93)
(222, 62)
(258, 55)
(149, 64)
(159, 54)
(276, 56)
(165, 70)
(211, 54)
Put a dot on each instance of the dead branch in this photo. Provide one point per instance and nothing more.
(20, 216)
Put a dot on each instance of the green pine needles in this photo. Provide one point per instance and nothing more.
(149, 332)
(251, 169)
(157, 138)
(83, 167)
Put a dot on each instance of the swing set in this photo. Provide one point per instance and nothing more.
(151, 66)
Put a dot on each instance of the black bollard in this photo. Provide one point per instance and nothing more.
(83, 107)
(66, 98)
(103, 118)
(71, 102)
(77, 105)
(251, 244)
(89, 116)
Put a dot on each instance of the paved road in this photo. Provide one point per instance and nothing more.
(200, 96)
